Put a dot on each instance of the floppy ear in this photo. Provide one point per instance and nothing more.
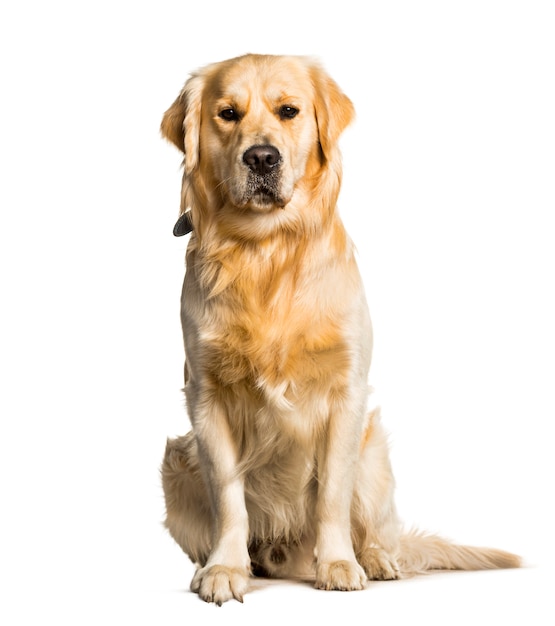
(334, 110)
(172, 126)
(181, 122)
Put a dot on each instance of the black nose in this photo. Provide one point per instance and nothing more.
(261, 159)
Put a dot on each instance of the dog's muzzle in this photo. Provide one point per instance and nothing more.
(263, 177)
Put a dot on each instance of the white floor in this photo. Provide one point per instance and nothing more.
(517, 597)
(160, 596)
(485, 598)
(113, 584)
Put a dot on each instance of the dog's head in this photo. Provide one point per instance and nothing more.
(258, 133)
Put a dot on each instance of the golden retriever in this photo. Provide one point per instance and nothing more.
(285, 471)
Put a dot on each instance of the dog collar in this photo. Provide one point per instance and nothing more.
(183, 226)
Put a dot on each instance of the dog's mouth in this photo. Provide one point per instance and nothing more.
(264, 197)
(263, 192)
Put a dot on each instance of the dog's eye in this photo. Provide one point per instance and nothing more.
(229, 115)
(287, 112)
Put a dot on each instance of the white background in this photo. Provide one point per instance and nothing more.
(449, 195)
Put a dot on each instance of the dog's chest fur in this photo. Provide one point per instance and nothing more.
(271, 338)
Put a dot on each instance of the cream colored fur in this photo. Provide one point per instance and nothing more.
(285, 471)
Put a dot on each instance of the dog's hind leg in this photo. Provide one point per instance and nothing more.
(376, 528)
(188, 513)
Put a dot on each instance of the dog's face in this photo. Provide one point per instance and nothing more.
(256, 130)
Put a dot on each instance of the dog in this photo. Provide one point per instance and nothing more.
(285, 471)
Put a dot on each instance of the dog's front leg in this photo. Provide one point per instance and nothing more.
(336, 564)
(226, 572)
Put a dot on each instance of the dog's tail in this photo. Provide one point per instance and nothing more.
(420, 552)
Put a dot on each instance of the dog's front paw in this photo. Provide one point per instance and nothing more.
(218, 583)
(341, 575)
(378, 564)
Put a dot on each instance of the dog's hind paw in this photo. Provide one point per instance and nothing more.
(378, 564)
(218, 583)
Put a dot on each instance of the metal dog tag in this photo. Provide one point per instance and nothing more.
(183, 226)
